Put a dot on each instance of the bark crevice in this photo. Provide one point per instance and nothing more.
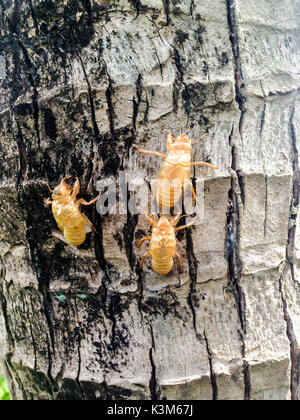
(153, 384)
(193, 270)
(240, 87)
(236, 197)
(213, 376)
(289, 267)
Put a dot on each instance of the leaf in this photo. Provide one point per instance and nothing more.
(61, 298)
(82, 296)
(4, 391)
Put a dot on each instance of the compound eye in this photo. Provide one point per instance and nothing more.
(56, 191)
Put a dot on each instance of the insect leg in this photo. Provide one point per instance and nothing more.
(85, 203)
(175, 219)
(143, 259)
(150, 219)
(183, 227)
(76, 188)
(193, 191)
(146, 238)
(63, 181)
(48, 202)
(49, 187)
(93, 227)
(179, 262)
(203, 164)
(67, 187)
(200, 138)
(149, 152)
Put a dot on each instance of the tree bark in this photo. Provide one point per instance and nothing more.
(81, 83)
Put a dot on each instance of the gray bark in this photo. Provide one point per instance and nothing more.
(81, 82)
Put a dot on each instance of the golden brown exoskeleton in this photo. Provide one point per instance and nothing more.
(162, 247)
(65, 209)
(175, 172)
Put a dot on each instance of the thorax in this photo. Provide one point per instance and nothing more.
(65, 210)
(163, 243)
(176, 165)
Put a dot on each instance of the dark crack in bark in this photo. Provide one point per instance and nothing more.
(240, 87)
(294, 347)
(153, 384)
(110, 107)
(193, 270)
(11, 343)
(136, 102)
(140, 297)
(114, 322)
(213, 376)
(236, 197)
(233, 239)
(90, 165)
(79, 338)
(22, 155)
(246, 369)
(166, 4)
(290, 250)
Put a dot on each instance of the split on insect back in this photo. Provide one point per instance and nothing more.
(66, 211)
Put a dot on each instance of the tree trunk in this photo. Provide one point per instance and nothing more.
(81, 83)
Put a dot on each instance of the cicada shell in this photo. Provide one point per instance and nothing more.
(66, 211)
(175, 173)
(162, 249)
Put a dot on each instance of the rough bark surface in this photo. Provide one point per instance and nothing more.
(81, 82)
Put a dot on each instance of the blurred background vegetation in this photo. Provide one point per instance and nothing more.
(4, 392)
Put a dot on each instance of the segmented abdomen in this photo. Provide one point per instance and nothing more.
(71, 222)
(75, 235)
(167, 195)
(170, 183)
(162, 265)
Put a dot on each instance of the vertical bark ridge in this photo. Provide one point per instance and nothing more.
(232, 245)
(294, 347)
(289, 267)
(235, 267)
(290, 249)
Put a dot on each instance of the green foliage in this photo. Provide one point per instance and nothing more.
(4, 392)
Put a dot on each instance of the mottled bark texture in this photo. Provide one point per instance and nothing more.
(81, 82)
